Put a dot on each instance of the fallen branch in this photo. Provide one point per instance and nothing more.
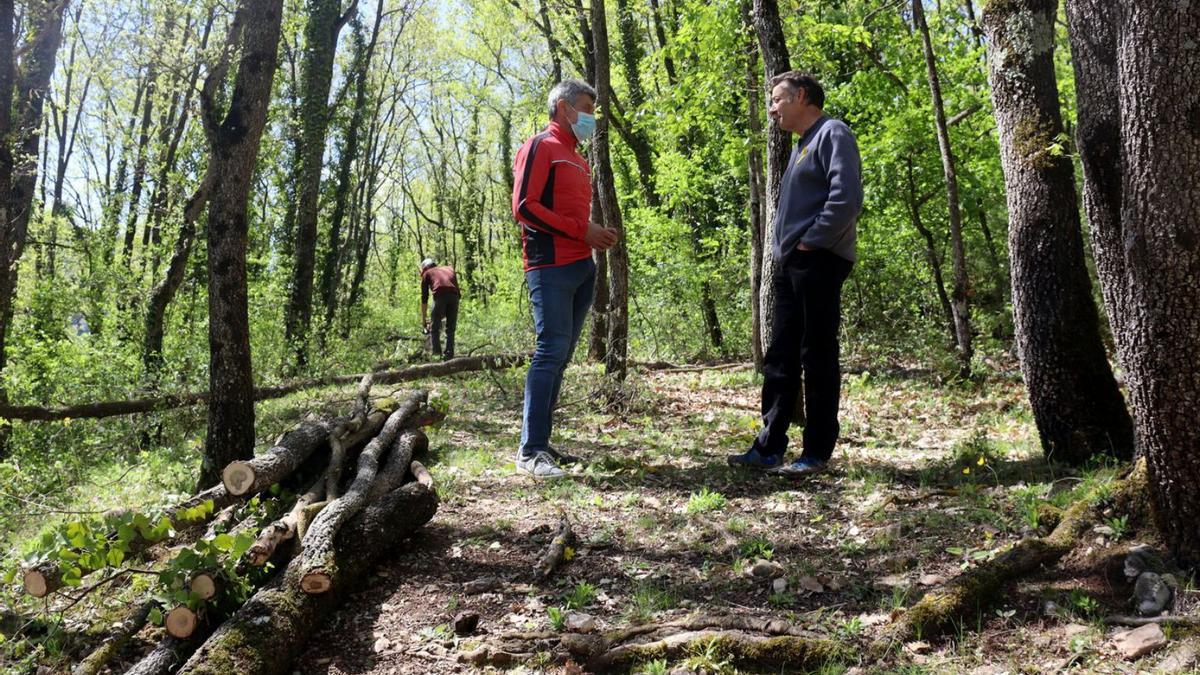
(279, 531)
(266, 634)
(120, 635)
(318, 561)
(167, 655)
(245, 477)
(670, 368)
(759, 644)
(338, 438)
(557, 550)
(1178, 620)
(745, 650)
(171, 401)
(399, 460)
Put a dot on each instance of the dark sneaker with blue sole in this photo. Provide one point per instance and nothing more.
(805, 466)
(754, 459)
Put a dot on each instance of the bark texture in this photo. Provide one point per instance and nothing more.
(1076, 403)
(235, 145)
(1157, 72)
(267, 633)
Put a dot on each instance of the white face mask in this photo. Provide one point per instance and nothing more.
(584, 125)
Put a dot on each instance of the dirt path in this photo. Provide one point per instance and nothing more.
(927, 479)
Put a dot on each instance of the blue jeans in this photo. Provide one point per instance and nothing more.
(561, 298)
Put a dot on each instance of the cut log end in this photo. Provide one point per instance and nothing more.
(421, 474)
(181, 622)
(205, 586)
(36, 583)
(316, 582)
(238, 477)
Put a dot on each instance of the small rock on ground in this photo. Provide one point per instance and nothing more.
(1136, 643)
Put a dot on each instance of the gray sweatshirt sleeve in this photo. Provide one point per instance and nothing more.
(844, 170)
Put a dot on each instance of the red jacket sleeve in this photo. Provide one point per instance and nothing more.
(532, 169)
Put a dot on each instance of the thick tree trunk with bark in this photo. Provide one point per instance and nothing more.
(1157, 72)
(248, 477)
(1093, 33)
(615, 358)
(235, 145)
(267, 633)
(958, 298)
(1077, 406)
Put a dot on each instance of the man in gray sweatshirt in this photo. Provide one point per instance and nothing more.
(814, 240)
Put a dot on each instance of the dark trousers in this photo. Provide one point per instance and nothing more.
(445, 306)
(804, 337)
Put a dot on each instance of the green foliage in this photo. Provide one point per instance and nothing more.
(581, 596)
(758, 546)
(705, 501)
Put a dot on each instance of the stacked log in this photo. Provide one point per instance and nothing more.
(387, 498)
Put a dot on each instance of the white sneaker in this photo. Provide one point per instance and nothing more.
(540, 465)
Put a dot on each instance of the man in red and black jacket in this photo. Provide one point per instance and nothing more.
(552, 199)
(441, 282)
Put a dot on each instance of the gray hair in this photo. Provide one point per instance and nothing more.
(568, 90)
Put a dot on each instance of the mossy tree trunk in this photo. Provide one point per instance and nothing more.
(1076, 403)
(325, 22)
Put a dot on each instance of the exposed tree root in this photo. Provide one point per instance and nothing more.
(744, 642)
(962, 597)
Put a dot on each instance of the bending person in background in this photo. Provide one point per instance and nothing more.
(439, 281)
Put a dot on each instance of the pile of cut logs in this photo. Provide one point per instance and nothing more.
(358, 491)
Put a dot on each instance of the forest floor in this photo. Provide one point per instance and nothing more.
(929, 479)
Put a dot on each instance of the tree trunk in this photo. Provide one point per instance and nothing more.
(616, 358)
(1076, 404)
(958, 299)
(164, 292)
(931, 254)
(1093, 33)
(639, 143)
(774, 51)
(325, 22)
(1157, 71)
(139, 165)
(235, 145)
(668, 62)
(757, 188)
(24, 98)
(330, 275)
